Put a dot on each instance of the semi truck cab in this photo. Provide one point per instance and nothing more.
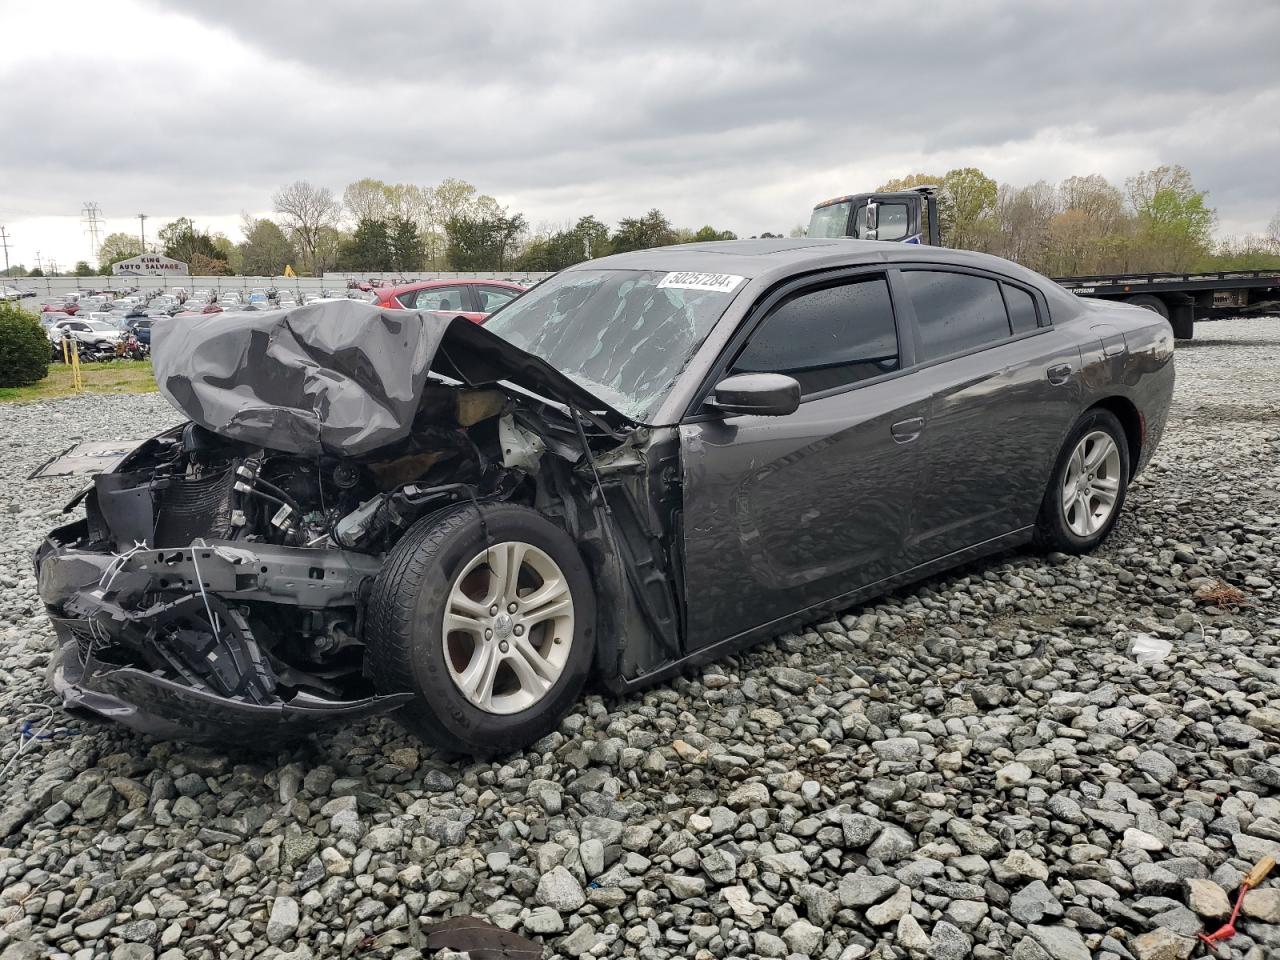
(906, 216)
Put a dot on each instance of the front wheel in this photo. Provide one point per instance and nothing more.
(1087, 487)
(487, 616)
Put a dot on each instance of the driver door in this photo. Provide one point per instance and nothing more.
(786, 513)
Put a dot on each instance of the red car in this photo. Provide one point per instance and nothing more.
(473, 299)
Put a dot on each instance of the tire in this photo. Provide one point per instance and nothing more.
(1079, 528)
(408, 649)
(1148, 302)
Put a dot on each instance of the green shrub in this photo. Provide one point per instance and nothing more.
(24, 347)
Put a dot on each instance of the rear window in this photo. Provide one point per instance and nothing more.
(955, 312)
(1022, 309)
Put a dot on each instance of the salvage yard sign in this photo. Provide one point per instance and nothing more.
(150, 265)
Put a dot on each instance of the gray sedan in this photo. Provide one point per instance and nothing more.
(645, 462)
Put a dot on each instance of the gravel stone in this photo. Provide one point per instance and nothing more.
(1162, 944)
(283, 922)
(803, 937)
(559, 890)
(1060, 943)
(1157, 765)
(948, 942)
(888, 912)
(1207, 898)
(1034, 902)
(1262, 905)
(864, 889)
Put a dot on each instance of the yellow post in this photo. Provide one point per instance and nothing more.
(76, 381)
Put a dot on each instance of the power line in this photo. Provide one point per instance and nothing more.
(4, 242)
(89, 216)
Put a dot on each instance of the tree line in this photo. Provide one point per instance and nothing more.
(398, 228)
(1083, 225)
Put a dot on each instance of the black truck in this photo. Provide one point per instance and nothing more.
(911, 216)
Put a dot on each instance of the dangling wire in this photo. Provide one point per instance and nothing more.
(117, 564)
(27, 737)
(200, 583)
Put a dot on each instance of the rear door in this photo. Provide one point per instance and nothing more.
(785, 513)
(1003, 394)
(491, 296)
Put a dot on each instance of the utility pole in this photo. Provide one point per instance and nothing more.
(38, 267)
(4, 242)
(142, 230)
(53, 267)
(89, 217)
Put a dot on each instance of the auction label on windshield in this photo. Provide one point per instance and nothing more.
(715, 282)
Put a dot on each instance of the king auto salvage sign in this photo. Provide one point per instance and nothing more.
(150, 265)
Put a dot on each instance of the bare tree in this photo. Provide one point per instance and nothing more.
(1023, 215)
(453, 198)
(366, 199)
(308, 211)
(1273, 232)
(1094, 197)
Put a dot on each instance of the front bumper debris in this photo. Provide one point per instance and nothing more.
(152, 669)
(151, 704)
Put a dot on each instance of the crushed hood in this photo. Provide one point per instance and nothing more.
(339, 377)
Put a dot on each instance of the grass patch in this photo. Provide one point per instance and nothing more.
(118, 376)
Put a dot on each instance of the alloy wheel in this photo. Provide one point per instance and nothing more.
(1091, 484)
(508, 627)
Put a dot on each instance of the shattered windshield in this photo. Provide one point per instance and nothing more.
(624, 335)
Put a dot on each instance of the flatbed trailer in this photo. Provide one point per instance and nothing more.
(1185, 297)
(911, 216)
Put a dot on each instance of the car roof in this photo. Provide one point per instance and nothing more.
(784, 256)
(428, 284)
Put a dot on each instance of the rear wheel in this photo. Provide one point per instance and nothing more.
(1148, 302)
(1087, 487)
(487, 616)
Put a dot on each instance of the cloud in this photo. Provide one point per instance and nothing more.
(738, 114)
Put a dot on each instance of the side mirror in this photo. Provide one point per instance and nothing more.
(872, 221)
(757, 394)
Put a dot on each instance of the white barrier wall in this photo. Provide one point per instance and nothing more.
(46, 287)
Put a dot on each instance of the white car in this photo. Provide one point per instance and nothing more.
(10, 293)
(94, 333)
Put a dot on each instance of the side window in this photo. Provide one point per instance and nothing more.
(1022, 308)
(491, 298)
(827, 338)
(440, 298)
(955, 311)
(892, 222)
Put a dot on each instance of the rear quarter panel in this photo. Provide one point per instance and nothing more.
(1143, 372)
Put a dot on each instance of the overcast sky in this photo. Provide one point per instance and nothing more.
(739, 114)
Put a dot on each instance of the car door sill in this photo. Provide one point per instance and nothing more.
(740, 641)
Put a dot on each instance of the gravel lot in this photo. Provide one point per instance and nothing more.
(979, 767)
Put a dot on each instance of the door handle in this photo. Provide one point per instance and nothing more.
(904, 431)
(1059, 374)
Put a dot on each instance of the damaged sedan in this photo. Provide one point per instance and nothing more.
(644, 463)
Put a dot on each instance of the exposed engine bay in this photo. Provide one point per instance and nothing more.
(218, 584)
